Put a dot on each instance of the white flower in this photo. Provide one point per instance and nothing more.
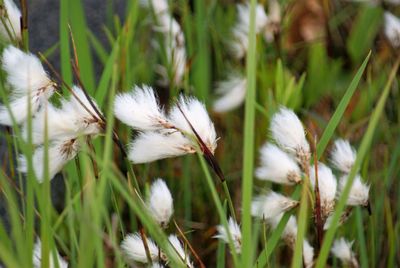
(72, 119)
(196, 113)
(12, 21)
(232, 93)
(176, 244)
(37, 257)
(343, 155)
(359, 192)
(392, 29)
(288, 132)
(152, 146)
(159, 6)
(277, 166)
(29, 83)
(235, 233)
(160, 202)
(327, 184)
(239, 44)
(308, 254)
(271, 205)
(140, 109)
(59, 153)
(341, 249)
(133, 248)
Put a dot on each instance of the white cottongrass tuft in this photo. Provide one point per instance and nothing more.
(359, 191)
(392, 29)
(232, 93)
(240, 43)
(234, 230)
(157, 265)
(133, 248)
(60, 152)
(160, 202)
(177, 245)
(277, 166)
(327, 185)
(11, 28)
(341, 249)
(288, 132)
(159, 6)
(37, 257)
(271, 205)
(196, 113)
(343, 155)
(140, 109)
(29, 84)
(152, 146)
(308, 254)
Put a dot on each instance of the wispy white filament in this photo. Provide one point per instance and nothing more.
(160, 202)
(271, 205)
(341, 249)
(359, 191)
(232, 93)
(327, 187)
(392, 29)
(29, 85)
(177, 245)
(235, 233)
(133, 248)
(37, 258)
(277, 166)
(12, 21)
(140, 109)
(288, 132)
(343, 155)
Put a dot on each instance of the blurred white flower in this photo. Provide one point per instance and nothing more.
(392, 29)
(343, 155)
(235, 233)
(140, 109)
(37, 257)
(133, 248)
(232, 93)
(341, 249)
(157, 265)
(159, 6)
(160, 202)
(308, 254)
(271, 205)
(60, 151)
(277, 166)
(12, 21)
(327, 187)
(288, 132)
(359, 191)
(176, 244)
(29, 84)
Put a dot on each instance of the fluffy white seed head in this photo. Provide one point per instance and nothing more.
(12, 24)
(37, 257)
(343, 155)
(277, 166)
(271, 205)
(133, 248)
(29, 84)
(159, 6)
(392, 29)
(160, 202)
(157, 265)
(341, 249)
(289, 232)
(232, 93)
(234, 230)
(177, 245)
(152, 146)
(359, 191)
(288, 132)
(140, 109)
(197, 115)
(327, 187)
(308, 254)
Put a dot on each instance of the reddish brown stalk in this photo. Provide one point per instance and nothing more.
(181, 234)
(209, 157)
(317, 209)
(146, 246)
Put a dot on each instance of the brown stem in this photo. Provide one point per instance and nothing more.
(146, 246)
